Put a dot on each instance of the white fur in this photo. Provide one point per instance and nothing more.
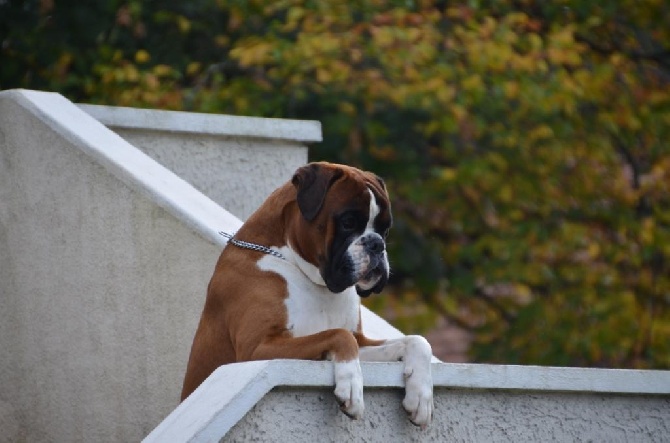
(311, 307)
(374, 212)
(356, 249)
(311, 271)
(416, 352)
(349, 387)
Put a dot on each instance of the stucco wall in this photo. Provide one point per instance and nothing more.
(292, 400)
(311, 415)
(105, 256)
(235, 161)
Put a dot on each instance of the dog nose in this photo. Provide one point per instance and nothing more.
(374, 244)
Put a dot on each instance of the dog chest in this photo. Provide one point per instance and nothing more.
(312, 308)
(316, 309)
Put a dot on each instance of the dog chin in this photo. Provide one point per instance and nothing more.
(370, 280)
(366, 281)
(373, 281)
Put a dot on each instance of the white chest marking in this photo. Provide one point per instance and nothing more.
(312, 307)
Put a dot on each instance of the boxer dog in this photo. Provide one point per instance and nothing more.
(288, 286)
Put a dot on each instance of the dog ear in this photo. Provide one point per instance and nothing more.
(312, 182)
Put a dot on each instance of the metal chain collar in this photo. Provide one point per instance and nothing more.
(251, 246)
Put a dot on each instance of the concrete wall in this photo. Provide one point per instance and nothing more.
(235, 161)
(104, 260)
(293, 401)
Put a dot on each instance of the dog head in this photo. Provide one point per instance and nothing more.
(340, 227)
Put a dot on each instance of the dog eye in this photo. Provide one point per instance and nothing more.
(348, 222)
(386, 233)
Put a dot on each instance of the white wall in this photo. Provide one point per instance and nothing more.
(235, 161)
(293, 401)
(104, 260)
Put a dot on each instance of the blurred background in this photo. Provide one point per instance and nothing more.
(525, 144)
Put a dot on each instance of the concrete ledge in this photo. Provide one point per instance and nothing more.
(232, 392)
(235, 161)
(131, 166)
(190, 122)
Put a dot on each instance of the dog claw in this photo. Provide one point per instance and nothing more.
(348, 414)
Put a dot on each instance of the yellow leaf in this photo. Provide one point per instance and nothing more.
(382, 36)
(295, 13)
(130, 73)
(473, 83)
(142, 56)
(347, 108)
(222, 40)
(535, 42)
(511, 89)
(522, 293)
(506, 193)
(540, 132)
(162, 70)
(252, 52)
(458, 111)
(183, 24)
(151, 82)
(647, 232)
(323, 75)
(65, 59)
(192, 68)
(517, 18)
(448, 174)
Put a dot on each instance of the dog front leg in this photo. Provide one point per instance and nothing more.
(338, 345)
(416, 353)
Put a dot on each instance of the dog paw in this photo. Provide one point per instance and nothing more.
(418, 400)
(349, 388)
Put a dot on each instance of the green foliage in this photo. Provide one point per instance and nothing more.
(524, 143)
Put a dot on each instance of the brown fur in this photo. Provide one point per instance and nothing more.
(244, 317)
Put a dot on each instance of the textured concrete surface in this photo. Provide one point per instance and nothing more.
(292, 400)
(237, 173)
(235, 161)
(101, 286)
(105, 258)
(311, 415)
